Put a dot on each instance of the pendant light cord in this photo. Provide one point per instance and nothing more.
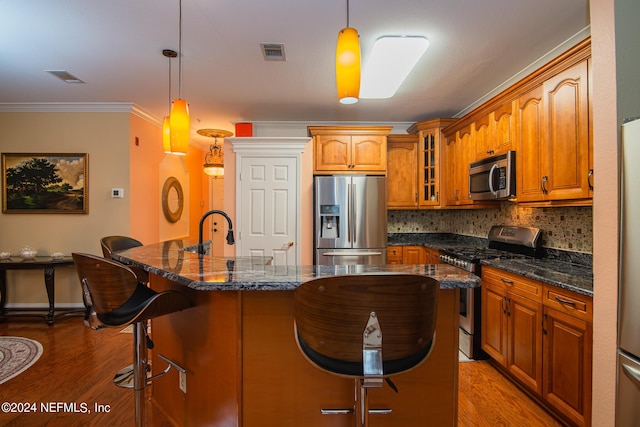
(169, 83)
(180, 52)
(347, 13)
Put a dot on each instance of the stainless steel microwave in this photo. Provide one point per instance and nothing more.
(493, 178)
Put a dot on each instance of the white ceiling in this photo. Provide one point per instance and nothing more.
(115, 46)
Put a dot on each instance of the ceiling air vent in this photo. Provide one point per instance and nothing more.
(273, 51)
(65, 76)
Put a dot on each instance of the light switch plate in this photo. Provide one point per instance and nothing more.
(117, 193)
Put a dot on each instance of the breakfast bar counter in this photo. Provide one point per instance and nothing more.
(243, 367)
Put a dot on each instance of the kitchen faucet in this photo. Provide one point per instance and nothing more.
(230, 238)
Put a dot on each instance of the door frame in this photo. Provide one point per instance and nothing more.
(269, 147)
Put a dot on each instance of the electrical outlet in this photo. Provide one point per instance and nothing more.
(182, 382)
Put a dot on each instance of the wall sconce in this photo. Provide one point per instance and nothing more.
(214, 159)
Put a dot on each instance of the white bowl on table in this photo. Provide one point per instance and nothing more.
(27, 252)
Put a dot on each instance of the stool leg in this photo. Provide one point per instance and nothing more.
(361, 404)
(139, 370)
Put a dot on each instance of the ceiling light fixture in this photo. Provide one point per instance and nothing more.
(214, 159)
(166, 127)
(348, 64)
(179, 119)
(390, 62)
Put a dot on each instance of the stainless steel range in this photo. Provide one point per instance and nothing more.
(504, 242)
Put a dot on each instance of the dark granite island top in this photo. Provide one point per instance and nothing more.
(207, 273)
(243, 366)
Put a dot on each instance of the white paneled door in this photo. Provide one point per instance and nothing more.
(268, 193)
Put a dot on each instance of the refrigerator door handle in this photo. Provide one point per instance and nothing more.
(632, 373)
(353, 211)
(350, 212)
(365, 253)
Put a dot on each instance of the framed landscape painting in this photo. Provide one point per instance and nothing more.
(44, 183)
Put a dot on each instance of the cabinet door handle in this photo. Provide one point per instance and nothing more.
(544, 330)
(590, 179)
(506, 281)
(544, 184)
(565, 302)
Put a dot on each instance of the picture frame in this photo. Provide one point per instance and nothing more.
(45, 183)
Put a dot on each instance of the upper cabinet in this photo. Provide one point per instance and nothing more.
(350, 149)
(494, 133)
(402, 171)
(457, 156)
(553, 150)
(430, 174)
(545, 118)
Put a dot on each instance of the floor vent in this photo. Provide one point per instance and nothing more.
(273, 51)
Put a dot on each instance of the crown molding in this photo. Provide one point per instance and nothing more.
(79, 107)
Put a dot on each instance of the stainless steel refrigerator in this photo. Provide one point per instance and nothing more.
(350, 219)
(628, 372)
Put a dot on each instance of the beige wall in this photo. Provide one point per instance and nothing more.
(124, 151)
(104, 137)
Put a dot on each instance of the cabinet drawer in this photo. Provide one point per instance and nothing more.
(394, 254)
(571, 303)
(515, 283)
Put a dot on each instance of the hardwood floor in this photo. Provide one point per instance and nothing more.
(487, 399)
(78, 365)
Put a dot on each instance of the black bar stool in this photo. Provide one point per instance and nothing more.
(366, 327)
(119, 299)
(111, 244)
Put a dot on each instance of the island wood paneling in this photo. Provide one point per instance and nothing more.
(244, 368)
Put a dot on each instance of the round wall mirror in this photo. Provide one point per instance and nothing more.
(172, 199)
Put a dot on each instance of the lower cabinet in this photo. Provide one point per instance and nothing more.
(512, 325)
(412, 255)
(568, 353)
(542, 336)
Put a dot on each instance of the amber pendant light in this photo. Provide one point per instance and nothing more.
(179, 119)
(348, 64)
(166, 127)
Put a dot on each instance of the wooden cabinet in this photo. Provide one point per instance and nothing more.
(553, 148)
(546, 119)
(350, 149)
(494, 133)
(457, 155)
(512, 325)
(568, 354)
(412, 255)
(542, 336)
(394, 255)
(433, 256)
(402, 171)
(431, 142)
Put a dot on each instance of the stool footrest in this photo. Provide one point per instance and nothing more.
(347, 411)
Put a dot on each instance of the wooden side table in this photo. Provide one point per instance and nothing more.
(49, 265)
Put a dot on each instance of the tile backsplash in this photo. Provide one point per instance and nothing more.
(564, 228)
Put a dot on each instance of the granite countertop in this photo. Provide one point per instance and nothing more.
(568, 270)
(210, 273)
(565, 275)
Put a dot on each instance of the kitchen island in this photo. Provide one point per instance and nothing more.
(238, 348)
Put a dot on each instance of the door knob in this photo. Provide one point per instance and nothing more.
(290, 244)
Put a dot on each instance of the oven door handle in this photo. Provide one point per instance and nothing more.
(491, 172)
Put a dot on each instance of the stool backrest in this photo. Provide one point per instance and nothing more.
(110, 283)
(331, 314)
(117, 243)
